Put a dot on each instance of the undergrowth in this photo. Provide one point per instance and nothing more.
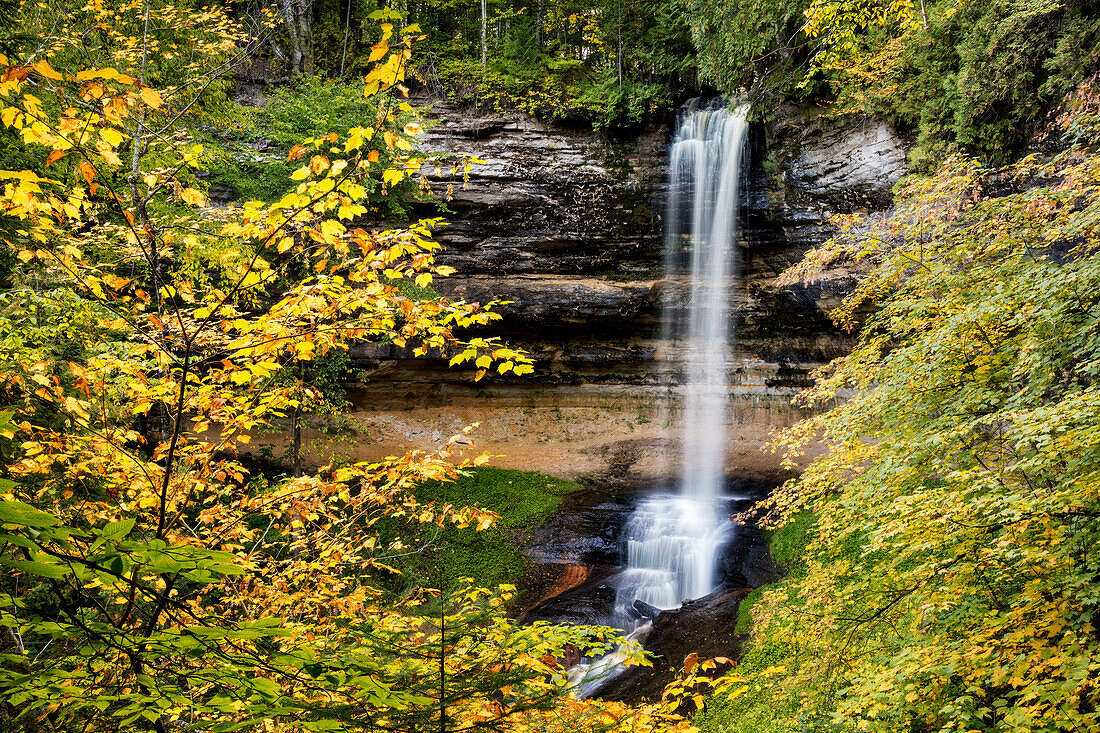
(769, 705)
(245, 153)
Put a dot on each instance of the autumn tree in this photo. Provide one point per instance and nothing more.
(151, 580)
(951, 583)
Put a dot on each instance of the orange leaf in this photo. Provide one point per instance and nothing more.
(54, 157)
(16, 73)
(88, 171)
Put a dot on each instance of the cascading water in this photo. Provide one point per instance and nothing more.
(673, 540)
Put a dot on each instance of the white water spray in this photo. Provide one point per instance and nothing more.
(673, 540)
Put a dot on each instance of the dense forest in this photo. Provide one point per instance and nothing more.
(941, 570)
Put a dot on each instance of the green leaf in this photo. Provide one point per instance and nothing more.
(16, 512)
(37, 567)
(266, 687)
(18, 541)
(323, 725)
(117, 530)
(7, 427)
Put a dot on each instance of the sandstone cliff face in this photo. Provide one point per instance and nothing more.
(568, 225)
(843, 165)
(549, 201)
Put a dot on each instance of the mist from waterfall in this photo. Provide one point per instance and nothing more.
(673, 540)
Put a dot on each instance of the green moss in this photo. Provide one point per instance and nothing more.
(788, 546)
(412, 291)
(523, 499)
(766, 707)
(308, 108)
(788, 543)
(744, 611)
(248, 180)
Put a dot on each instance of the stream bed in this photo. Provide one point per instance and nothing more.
(578, 566)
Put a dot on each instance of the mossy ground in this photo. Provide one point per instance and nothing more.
(523, 499)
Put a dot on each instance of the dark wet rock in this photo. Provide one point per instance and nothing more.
(640, 609)
(220, 194)
(583, 536)
(704, 626)
(590, 603)
(747, 561)
(547, 200)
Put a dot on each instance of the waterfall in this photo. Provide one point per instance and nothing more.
(673, 540)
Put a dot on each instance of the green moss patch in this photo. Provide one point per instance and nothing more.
(523, 499)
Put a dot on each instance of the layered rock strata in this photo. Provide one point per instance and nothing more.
(567, 225)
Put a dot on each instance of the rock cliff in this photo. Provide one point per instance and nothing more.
(567, 225)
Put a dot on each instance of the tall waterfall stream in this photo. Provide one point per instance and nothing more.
(673, 540)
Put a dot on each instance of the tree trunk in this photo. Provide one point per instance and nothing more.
(296, 16)
(538, 25)
(298, 426)
(619, 55)
(305, 33)
(484, 33)
(347, 30)
(443, 649)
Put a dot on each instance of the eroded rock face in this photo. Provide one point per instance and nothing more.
(551, 300)
(844, 165)
(568, 226)
(548, 201)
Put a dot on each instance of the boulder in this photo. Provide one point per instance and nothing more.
(704, 627)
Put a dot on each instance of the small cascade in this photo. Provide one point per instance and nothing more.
(672, 544)
(673, 541)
